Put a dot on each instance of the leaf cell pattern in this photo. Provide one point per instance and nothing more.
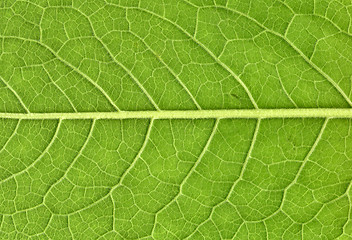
(150, 178)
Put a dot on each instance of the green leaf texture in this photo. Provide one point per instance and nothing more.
(176, 119)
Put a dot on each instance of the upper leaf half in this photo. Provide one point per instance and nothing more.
(88, 56)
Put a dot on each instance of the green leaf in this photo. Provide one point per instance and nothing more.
(177, 119)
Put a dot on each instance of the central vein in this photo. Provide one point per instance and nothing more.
(193, 114)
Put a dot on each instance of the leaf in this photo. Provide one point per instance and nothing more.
(175, 119)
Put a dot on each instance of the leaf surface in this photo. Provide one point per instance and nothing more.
(174, 119)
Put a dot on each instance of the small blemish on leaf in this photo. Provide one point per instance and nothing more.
(235, 95)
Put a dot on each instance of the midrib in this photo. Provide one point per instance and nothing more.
(193, 114)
